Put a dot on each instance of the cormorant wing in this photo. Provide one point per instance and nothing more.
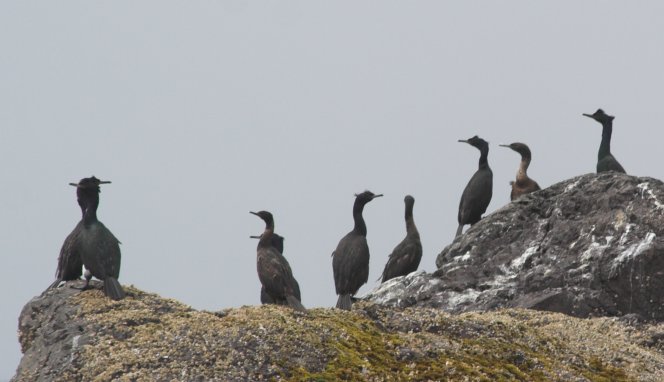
(69, 261)
(275, 274)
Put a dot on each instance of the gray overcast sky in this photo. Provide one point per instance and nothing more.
(199, 113)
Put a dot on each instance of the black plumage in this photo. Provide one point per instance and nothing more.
(97, 247)
(477, 194)
(406, 256)
(350, 261)
(274, 272)
(605, 160)
(70, 265)
(277, 243)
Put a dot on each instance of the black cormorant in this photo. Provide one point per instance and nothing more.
(605, 160)
(350, 261)
(477, 194)
(98, 248)
(278, 244)
(523, 184)
(274, 271)
(406, 256)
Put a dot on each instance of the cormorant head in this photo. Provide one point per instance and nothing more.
(600, 116)
(366, 197)
(520, 148)
(266, 216)
(88, 189)
(89, 183)
(476, 141)
(409, 200)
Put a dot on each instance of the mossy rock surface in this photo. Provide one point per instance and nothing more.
(149, 338)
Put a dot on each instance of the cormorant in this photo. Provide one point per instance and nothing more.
(98, 249)
(605, 160)
(523, 184)
(350, 261)
(95, 244)
(274, 271)
(406, 256)
(278, 244)
(477, 194)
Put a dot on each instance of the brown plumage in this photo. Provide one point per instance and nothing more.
(523, 184)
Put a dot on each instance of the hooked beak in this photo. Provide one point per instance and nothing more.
(463, 140)
(377, 196)
(502, 145)
(254, 213)
(255, 237)
(588, 115)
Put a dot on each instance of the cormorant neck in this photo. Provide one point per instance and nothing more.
(360, 226)
(605, 146)
(484, 161)
(266, 237)
(90, 214)
(411, 229)
(523, 168)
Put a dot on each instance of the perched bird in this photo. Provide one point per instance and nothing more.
(274, 271)
(605, 160)
(350, 261)
(477, 194)
(95, 244)
(406, 256)
(523, 184)
(278, 244)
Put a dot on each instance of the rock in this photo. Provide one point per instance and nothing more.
(589, 246)
(69, 335)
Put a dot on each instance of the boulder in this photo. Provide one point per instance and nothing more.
(70, 335)
(590, 246)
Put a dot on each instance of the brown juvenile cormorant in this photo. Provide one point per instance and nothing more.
(406, 256)
(477, 194)
(605, 160)
(95, 244)
(274, 271)
(523, 184)
(278, 244)
(350, 261)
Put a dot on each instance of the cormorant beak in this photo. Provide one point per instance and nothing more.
(463, 140)
(254, 237)
(588, 115)
(254, 213)
(377, 196)
(501, 145)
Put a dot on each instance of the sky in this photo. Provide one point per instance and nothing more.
(201, 112)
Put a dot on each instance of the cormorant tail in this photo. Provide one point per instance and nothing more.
(55, 284)
(113, 289)
(459, 230)
(344, 302)
(294, 303)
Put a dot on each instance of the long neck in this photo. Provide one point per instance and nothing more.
(484, 161)
(360, 226)
(91, 202)
(411, 229)
(523, 168)
(266, 237)
(605, 146)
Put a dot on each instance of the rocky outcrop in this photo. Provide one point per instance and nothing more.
(589, 246)
(69, 335)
